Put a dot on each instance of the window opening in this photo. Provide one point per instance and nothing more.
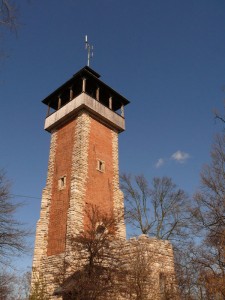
(62, 182)
(101, 166)
(100, 229)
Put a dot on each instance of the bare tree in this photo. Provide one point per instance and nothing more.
(159, 210)
(12, 232)
(219, 116)
(12, 285)
(7, 281)
(208, 217)
(91, 269)
(188, 273)
(25, 282)
(8, 14)
(9, 21)
(12, 239)
(209, 211)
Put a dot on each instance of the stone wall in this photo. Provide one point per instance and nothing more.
(79, 177)
(117, 193)
(61, 189)
(140, 268)
(150, 265)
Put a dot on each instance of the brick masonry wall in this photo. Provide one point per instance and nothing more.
(61, 195)
(99, 183)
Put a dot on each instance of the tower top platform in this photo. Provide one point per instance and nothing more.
(94, 87)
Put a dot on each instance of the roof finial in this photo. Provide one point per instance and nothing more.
(89, 49)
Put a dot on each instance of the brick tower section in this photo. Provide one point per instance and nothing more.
(60, 195)
(83, 168)
(99, 185)
(79, 147)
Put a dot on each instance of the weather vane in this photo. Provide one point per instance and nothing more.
(89, 50)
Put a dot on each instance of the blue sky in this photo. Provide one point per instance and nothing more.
(166, 57)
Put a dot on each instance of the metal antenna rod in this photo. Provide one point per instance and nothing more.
(89, 50)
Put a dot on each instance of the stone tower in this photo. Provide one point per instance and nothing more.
(84, 118)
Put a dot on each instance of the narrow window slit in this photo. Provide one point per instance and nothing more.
(101, 165)
(62, 182)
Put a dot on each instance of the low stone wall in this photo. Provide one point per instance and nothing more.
(150, 265)
(146, 267)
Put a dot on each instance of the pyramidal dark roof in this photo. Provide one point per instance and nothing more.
(93, 82)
